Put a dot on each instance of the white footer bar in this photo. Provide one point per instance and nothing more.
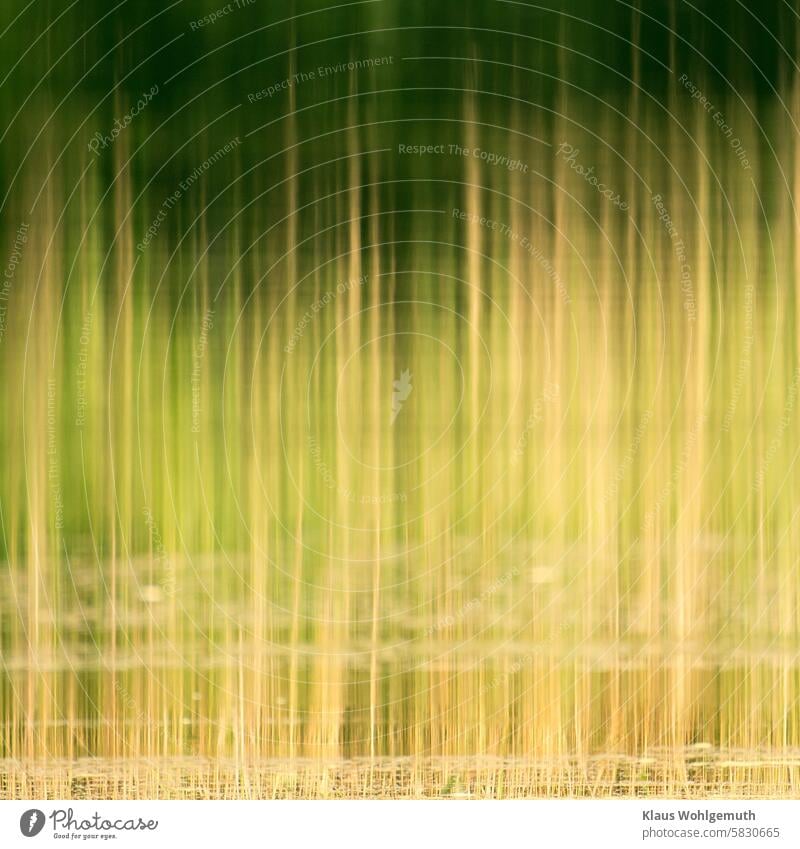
(615, 824)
